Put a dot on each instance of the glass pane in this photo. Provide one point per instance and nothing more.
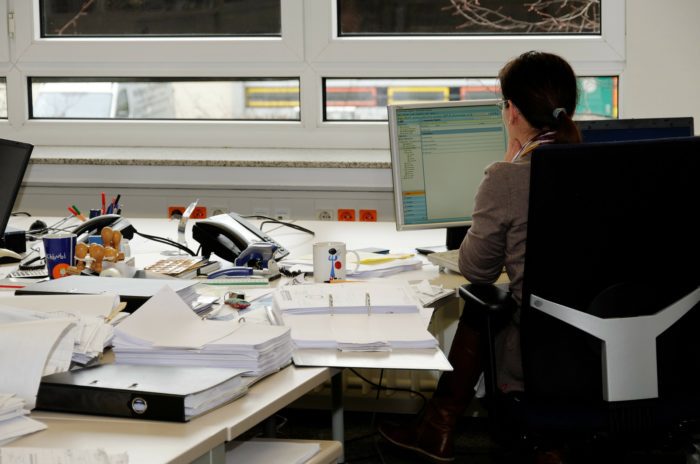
(465, 17)
(3, 98)
(159, 98)
(366, 99)
(153, 18)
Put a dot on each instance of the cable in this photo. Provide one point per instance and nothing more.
(21, 213)
(166, 241)
(381, 387)
(269, 220)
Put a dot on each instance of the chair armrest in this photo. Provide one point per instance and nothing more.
(491, 300)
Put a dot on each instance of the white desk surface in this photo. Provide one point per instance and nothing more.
(152, 442)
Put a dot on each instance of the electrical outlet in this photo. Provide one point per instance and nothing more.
(176, 212)
(216, 210)
(258, 211)
(283, 214)
(368, 215)
(324, 214)
(346, 214)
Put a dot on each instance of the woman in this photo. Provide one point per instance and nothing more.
(539, 98)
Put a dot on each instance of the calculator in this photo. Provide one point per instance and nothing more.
(29, 274)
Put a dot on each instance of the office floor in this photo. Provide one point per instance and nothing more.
(365, 446)
(473, 444)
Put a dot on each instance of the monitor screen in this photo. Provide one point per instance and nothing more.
(438, 155)
(14, 157)
(621, 130)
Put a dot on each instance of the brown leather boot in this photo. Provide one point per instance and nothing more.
(433, 435)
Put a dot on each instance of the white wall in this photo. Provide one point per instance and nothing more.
(662, 76)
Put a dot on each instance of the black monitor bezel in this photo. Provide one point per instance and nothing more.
(13, 191)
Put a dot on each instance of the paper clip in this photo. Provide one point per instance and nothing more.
(369, 307)
(330, 303)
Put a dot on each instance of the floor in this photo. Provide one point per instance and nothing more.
(363, 445)
(473, 444)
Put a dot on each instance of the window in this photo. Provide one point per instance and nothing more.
(366, 99)
(80, 18)
(162, 98)
(266, 73)
(465, 17)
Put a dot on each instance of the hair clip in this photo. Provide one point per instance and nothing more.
(557, 112)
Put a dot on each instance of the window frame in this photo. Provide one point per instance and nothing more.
(312, 54)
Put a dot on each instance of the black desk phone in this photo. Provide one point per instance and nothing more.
(227, 235)
(94, 225)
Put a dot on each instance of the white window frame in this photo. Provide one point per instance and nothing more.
(310, 54)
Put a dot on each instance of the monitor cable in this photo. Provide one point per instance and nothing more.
(269, 220)
(166, 241)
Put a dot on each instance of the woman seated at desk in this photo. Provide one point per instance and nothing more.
(539, 98)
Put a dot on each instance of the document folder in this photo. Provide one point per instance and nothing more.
(134, 292)
(165, 393)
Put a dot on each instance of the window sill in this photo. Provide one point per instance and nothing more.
(212, 157)
(210, 168)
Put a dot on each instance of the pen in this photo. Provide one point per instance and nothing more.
(116, 201)
(74, 211)
(104, 206)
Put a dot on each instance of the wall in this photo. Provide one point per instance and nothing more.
(663, 60)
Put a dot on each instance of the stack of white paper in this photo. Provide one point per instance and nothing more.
(90, 313)
(270, 451)
(360, 332)
(165, 332)
(349, 298)
(13, 423)
(30, 350)
(61, 456)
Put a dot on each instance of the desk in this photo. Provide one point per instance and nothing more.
(152, 442)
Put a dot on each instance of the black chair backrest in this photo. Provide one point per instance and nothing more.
(613, 232)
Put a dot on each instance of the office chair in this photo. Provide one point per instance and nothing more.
(611, 300)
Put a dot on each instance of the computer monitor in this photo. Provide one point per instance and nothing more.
(14, 158)
(621, 130)
(438, 155)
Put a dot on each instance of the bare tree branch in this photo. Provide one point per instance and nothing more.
(549, 16)
(73, 22)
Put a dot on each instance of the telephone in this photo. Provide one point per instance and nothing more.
(227, 235)
(94, 225)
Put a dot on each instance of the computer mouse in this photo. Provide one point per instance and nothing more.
(38, 227)
(9, 256)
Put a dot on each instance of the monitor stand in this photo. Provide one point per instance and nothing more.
(455, 236)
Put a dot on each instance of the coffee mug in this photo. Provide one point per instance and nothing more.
(330, 261)
(60, 253)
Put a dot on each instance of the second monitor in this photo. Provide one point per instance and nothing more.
(438, 154)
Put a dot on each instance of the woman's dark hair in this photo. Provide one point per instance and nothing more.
(543, 87)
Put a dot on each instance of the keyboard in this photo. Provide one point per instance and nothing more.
(448, 259)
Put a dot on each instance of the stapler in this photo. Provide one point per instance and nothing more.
(257, 255)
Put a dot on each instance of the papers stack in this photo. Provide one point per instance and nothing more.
(346, 298)
(271, 451)
(132, 291)
(28, 350)
(13, 423)
(165, 332)
(360, 332)
(91, 314)
(61, 456)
